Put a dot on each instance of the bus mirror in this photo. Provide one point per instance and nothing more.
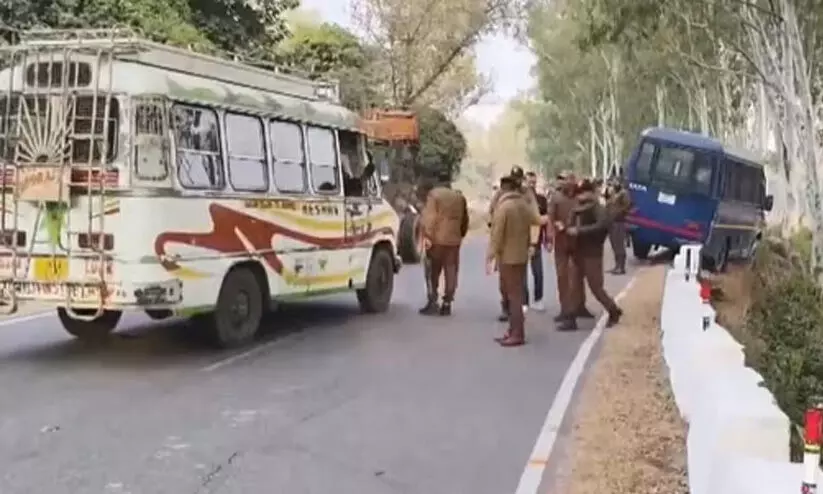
(768, 203)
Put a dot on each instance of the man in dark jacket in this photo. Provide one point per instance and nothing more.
(618, 205)
(588, 227)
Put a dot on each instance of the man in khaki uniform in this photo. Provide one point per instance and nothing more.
(588, 226)
(518, 176)
(444, 224)
(509, 245)
(571, 291)
(618, 205)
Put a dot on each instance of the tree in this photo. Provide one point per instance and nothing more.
(329, 51)
(426, 47)
(442, 145)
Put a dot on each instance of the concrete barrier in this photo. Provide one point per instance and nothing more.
(738, 438)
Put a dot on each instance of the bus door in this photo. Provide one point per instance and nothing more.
(671, 189)
(359, 203)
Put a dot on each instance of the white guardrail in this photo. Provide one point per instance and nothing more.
(738, 438)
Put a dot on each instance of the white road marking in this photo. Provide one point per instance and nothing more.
(30, 317)
(238, 357)
(532, 475)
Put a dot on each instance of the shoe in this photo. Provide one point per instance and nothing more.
(618, 271)
(503, 317)
(505, 336)
(614, 318)
(539, 306)
(511, 341)
(429, 309)
(584, 313)
(525, 309)
(560, 317)
(446, 309)
(567, 325)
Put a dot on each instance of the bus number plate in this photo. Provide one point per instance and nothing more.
(664, 198)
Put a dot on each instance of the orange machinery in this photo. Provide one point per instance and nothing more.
(391, 126)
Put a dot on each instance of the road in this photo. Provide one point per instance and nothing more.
(328, 401)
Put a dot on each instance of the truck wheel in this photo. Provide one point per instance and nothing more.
(407, 239)
(640, 250)
(376, 296)
(239, 311)
(94, 330)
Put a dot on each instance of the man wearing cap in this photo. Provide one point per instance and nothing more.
(588, 226)
(571, 291)
(444, 224)
(508, 254)
(517, 176)
(618, 205)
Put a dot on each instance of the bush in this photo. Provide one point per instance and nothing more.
(784, 330)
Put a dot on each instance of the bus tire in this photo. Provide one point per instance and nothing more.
(640, 250)
(239, 310)
(376, 296)
(407, 240)
(94, 330)
(159, 314)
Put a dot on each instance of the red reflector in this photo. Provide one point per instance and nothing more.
(691, 225)
(813, 424)
(705, 292)
(92, 241)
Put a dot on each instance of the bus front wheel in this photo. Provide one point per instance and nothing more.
(641, 250)
(376, 295)
(239, 310)
(95, 330)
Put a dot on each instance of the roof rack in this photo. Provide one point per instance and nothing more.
(129, 46)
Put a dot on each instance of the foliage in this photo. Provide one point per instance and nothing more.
(442, 145)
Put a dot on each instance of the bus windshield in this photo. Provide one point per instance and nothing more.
(676, 168)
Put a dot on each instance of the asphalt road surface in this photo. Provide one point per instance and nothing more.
(328, 401)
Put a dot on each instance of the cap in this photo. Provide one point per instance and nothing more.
(517, 173)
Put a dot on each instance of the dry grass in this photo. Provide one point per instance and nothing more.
(628, 437)
(731, 298)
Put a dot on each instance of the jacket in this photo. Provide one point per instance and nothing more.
(532, 201)
(509, 239)
(445, 217)
(559, 211)
(618, 205)
(592, 222)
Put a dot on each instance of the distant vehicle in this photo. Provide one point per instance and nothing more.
(689, 188)
(138, 176)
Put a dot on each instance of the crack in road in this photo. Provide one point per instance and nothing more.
(217, 470)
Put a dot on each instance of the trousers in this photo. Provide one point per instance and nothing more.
(512, 277)
(589, 267)
(443, 260)
(570, 289)
(536, 264)
(617, 239)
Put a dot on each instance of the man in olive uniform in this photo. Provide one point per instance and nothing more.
(518, 176)
(571, 291)
(508, 253)
(444, 224)
(588, 225)
(618, 205)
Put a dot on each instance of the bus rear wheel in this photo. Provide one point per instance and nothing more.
(640, 250)
(239, 311)
(95, 330)
(376, 295)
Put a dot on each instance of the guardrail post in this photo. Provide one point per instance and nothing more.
(813, 429)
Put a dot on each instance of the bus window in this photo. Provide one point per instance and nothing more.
(674, 167)
(197, 140)
(288, 156)
(643, 167)
(246, 152)
(323, 159)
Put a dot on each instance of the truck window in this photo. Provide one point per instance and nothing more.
(246, 150)
(643, 166)
(288, 156)
(197, 140)
(323, 159)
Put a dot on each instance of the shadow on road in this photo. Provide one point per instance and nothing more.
(143, 343)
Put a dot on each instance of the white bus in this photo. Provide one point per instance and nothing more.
(138, 176)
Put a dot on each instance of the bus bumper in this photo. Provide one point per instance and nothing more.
(120, 295)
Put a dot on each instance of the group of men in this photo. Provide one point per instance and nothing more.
(573, 221)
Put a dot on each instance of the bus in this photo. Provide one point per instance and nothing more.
(688, 188)
(138, 176)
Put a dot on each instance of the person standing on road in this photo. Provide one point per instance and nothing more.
(588, 225)
(536, 258)
(618, 205)
(518, 176)
(444, 224)
(571, 292)
(508, 254)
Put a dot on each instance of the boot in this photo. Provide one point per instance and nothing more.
(614, 317)
(560, 317)
(446, 308)
(430, 308)
(569, 324)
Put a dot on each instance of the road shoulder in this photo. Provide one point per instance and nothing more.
(627, 436)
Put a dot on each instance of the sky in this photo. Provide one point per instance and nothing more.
(506, 62)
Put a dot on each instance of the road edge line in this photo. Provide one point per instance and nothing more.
(532, 476)
(25, 318)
